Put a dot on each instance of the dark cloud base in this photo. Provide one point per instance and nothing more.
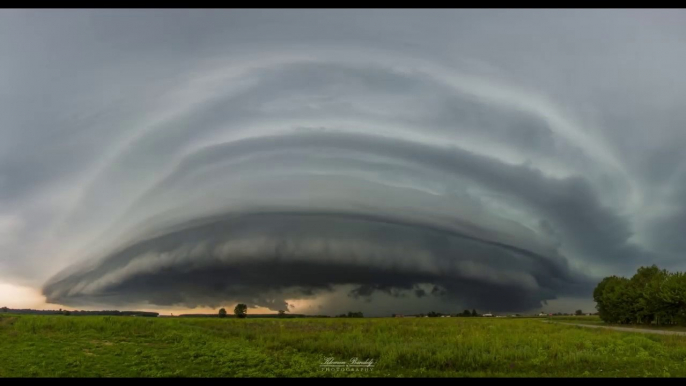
(265, 259)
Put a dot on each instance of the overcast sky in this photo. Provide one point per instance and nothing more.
(326, 161)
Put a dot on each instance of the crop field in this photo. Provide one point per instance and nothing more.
(102, 346)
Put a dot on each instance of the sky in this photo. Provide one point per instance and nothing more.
(326, 161)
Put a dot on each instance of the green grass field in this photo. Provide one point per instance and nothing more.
(101, 346)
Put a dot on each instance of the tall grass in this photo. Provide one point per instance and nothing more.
(129, 346)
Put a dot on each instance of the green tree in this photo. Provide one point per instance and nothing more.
(4, 309)
(578, 313)
(466, 313)
(474, 312)
(672, 299)
(612, 299)
(67, 313)
(241, 310)
(282, 313)
(654, 305)
(222, 313)
(622, 298)
(640, 286)
(651, 295)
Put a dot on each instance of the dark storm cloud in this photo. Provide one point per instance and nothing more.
(569, 203)
(261, 258)
(380, 158)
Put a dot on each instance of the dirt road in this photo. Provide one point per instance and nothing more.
(627, 329)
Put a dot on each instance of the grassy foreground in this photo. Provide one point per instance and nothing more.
(101, 346)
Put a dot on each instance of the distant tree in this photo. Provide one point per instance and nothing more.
(4, 309)
(466, 313)
(578, 313)
(474, 312)
(222, 313)
(282, 313)
(392, 315)
(241, 311)
(67, 313)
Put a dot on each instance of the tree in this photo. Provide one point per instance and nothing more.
(650, 295)
(466, 313)
(241, 310)
(614, 300)
(655, 307)
(282, 313)
(578, 313)
(4, 309)
(599, 297)
(67, 313)
(222, 313)
(474, 312)
(672, 299)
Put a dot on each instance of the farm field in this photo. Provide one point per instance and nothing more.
(102, 346)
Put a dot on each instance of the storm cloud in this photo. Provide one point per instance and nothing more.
(454, 159)
(262, 256)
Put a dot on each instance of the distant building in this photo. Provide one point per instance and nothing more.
(487, 315)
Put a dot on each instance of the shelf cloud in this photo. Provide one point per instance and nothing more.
(488, 159)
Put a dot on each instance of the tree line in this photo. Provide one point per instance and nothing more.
(465, 313)
(80, 312)
(652, 295)
(351, 314)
